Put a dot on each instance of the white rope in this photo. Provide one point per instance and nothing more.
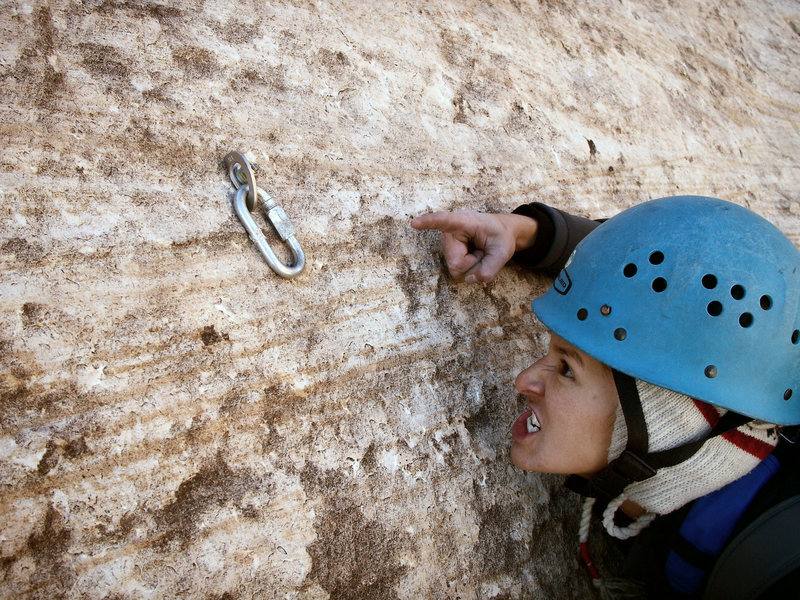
(586, 519)
(623, 533)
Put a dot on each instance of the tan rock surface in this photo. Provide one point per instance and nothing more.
(177, 421)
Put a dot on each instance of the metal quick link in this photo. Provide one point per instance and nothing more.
(247, 193)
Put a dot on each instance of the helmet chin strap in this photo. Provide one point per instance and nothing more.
(636, 463)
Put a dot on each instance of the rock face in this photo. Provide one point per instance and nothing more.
(177, 421)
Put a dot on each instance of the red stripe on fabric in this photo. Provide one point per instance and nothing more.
(756, 447)
(709, 412)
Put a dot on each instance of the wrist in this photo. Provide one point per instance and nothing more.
(523, 228)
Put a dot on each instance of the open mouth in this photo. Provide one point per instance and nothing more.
(532, 423)
(526, 426)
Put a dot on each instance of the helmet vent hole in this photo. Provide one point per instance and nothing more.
(620, 334)
(745, 320)
(711, 371)
(737, 292)
(629, 270)
(787, 394)
(795, 336)
(659, 284)
(582, 314)
(714, 308)
(656, 258)
(766, 302)
(709, 281)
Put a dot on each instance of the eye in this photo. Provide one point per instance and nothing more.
(566, 370)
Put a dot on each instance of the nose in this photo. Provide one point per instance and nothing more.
(530, 381)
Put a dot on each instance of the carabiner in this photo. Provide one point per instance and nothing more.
(247, 192)
(236, 163)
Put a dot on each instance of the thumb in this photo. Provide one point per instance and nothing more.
(487, 268)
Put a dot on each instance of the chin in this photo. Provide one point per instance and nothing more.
(522, 462)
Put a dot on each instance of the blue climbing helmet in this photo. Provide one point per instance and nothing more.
(692, 294)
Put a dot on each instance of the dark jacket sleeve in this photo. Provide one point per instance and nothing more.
(556, 237)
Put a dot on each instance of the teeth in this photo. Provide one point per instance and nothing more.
(533, 424)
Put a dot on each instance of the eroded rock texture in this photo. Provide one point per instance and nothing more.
(177, 421)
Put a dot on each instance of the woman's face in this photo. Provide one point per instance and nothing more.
(572, 402)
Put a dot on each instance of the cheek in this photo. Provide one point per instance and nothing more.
(579, 422)
(603, 423)
(600, 427)
(588, 430)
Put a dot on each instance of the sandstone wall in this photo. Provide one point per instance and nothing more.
(178, 422)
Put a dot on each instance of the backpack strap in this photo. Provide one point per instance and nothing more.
(708, 526)
(769, 530)
(766, 551)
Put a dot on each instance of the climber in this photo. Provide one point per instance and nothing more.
(674, 358)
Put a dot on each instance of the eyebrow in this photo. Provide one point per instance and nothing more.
(571, 353)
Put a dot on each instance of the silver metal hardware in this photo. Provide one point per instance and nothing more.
(247, 193)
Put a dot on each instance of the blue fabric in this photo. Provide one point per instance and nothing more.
(711, 521)
(682, 576)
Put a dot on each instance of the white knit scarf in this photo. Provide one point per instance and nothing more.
(673, 420)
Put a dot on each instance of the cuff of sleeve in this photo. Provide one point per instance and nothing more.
(558, 235)
(549, 246)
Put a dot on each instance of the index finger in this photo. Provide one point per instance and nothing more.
(448, 222)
